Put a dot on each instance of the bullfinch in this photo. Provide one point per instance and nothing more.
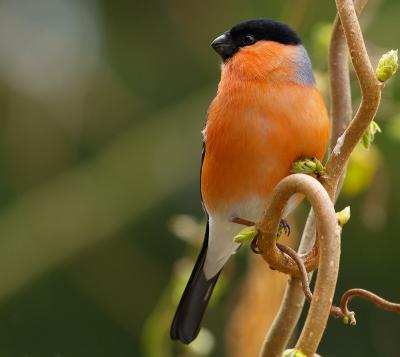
(266, 115)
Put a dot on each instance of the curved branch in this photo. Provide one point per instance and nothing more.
(296, 183)
(367, 295)
(304, 276)
(370, 90)
(329, 242)
(341, 111)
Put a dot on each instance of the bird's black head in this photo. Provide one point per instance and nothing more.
(249, 32)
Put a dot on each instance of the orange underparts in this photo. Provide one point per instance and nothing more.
(260, 122)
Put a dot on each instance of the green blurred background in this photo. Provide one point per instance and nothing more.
(101, 107)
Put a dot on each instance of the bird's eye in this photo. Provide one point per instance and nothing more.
(248, 39)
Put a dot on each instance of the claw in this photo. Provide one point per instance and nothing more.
(254, 246)
(284, 227)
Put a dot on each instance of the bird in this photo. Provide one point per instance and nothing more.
(267, 114)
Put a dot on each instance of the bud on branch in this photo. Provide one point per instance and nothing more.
(387, 66)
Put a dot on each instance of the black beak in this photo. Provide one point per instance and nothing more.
(224, 45)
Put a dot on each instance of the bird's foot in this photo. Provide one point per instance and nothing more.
(284, 227)
(254, 246)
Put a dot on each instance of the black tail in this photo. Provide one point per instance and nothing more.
(189, 314)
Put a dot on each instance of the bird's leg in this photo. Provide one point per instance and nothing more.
(284, 227)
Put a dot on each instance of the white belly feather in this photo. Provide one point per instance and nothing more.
(222, 231)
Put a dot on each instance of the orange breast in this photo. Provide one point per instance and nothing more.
(255, 131)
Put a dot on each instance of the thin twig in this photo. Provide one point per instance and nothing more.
(366, 295)
(242, 221)
(341, 107)
(335, 311)
(304, 275)
(305, 284)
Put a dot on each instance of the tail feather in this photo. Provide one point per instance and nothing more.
(189, 314)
